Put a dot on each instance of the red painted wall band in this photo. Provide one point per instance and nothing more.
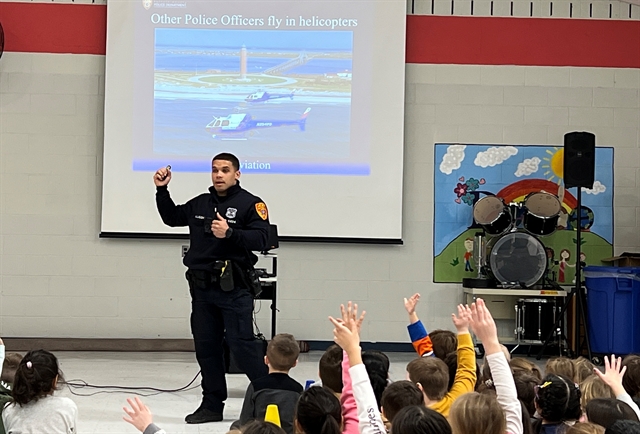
(81, 29)
(54, 28)
(523, 41)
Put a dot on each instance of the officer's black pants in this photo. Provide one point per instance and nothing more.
(215, 315)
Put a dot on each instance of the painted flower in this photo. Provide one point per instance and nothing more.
(460, 190)
(473, 184)
(468, 199)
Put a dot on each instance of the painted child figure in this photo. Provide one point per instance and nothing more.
(468, 245)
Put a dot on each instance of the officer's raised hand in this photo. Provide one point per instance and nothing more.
(162, 176)
(219, 227)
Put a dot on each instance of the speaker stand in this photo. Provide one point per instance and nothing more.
(578, 292)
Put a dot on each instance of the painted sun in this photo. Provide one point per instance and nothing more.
(554, 165)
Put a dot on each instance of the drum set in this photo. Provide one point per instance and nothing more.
(509, 254)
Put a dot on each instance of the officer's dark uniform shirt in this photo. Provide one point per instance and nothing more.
(245, 213)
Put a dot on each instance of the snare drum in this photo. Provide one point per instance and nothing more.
(535, 318)
(493, 215)
(542, 211)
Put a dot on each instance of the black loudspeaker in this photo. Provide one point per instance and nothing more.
(579, 159)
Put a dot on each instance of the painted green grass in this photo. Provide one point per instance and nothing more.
(448, 266)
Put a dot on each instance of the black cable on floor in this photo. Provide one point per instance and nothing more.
(81, 384)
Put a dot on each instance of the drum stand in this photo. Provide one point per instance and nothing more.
(578, 292)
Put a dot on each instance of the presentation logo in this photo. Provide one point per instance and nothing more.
(147, 4)
(231, 213)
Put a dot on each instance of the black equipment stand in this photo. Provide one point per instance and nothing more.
(578, 292)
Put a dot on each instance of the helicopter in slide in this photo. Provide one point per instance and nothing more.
(236, 125)
(266, 96)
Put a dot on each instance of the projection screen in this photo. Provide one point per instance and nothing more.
(308, 94)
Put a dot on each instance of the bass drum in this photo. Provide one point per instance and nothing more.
(518, 259)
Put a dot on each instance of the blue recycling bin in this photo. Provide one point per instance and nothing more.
(613, 309)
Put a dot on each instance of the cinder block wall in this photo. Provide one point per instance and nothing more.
(59, 280)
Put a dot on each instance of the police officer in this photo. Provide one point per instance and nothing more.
(225, 226)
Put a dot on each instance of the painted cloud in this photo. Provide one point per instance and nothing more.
(527, 167)
(452, 159)
(494, 156)
(598, 188)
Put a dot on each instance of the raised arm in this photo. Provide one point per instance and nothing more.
(613, 373)
(172, 215)
(484, 327)
(419, 337)
(465, 378)
(346, 334)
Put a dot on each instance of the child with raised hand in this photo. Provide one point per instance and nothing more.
(346, 334)
(438, 343)
(34, 408)
(350, 420)
(417, 332)
(484, 327)
(613, 375)
(140, 417)
(431, 375)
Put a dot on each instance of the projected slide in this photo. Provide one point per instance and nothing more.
(276, 94)
(308, 94)
(277, 89)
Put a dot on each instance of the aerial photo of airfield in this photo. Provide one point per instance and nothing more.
(259, 93)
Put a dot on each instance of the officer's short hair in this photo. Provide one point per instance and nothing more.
(225, 156)
(283, 351)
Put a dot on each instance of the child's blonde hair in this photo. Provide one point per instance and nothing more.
(583, 369)
(560, 366)
(474, 413)
(594, 387)
(522, 364)
(585, 428)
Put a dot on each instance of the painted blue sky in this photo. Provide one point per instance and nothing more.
(502, 164)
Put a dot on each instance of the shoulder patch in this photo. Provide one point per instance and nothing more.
(261, 209)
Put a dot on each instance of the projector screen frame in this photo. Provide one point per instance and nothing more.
(285, 239)
(375, 199)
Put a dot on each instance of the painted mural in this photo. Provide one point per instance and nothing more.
(468, 178)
